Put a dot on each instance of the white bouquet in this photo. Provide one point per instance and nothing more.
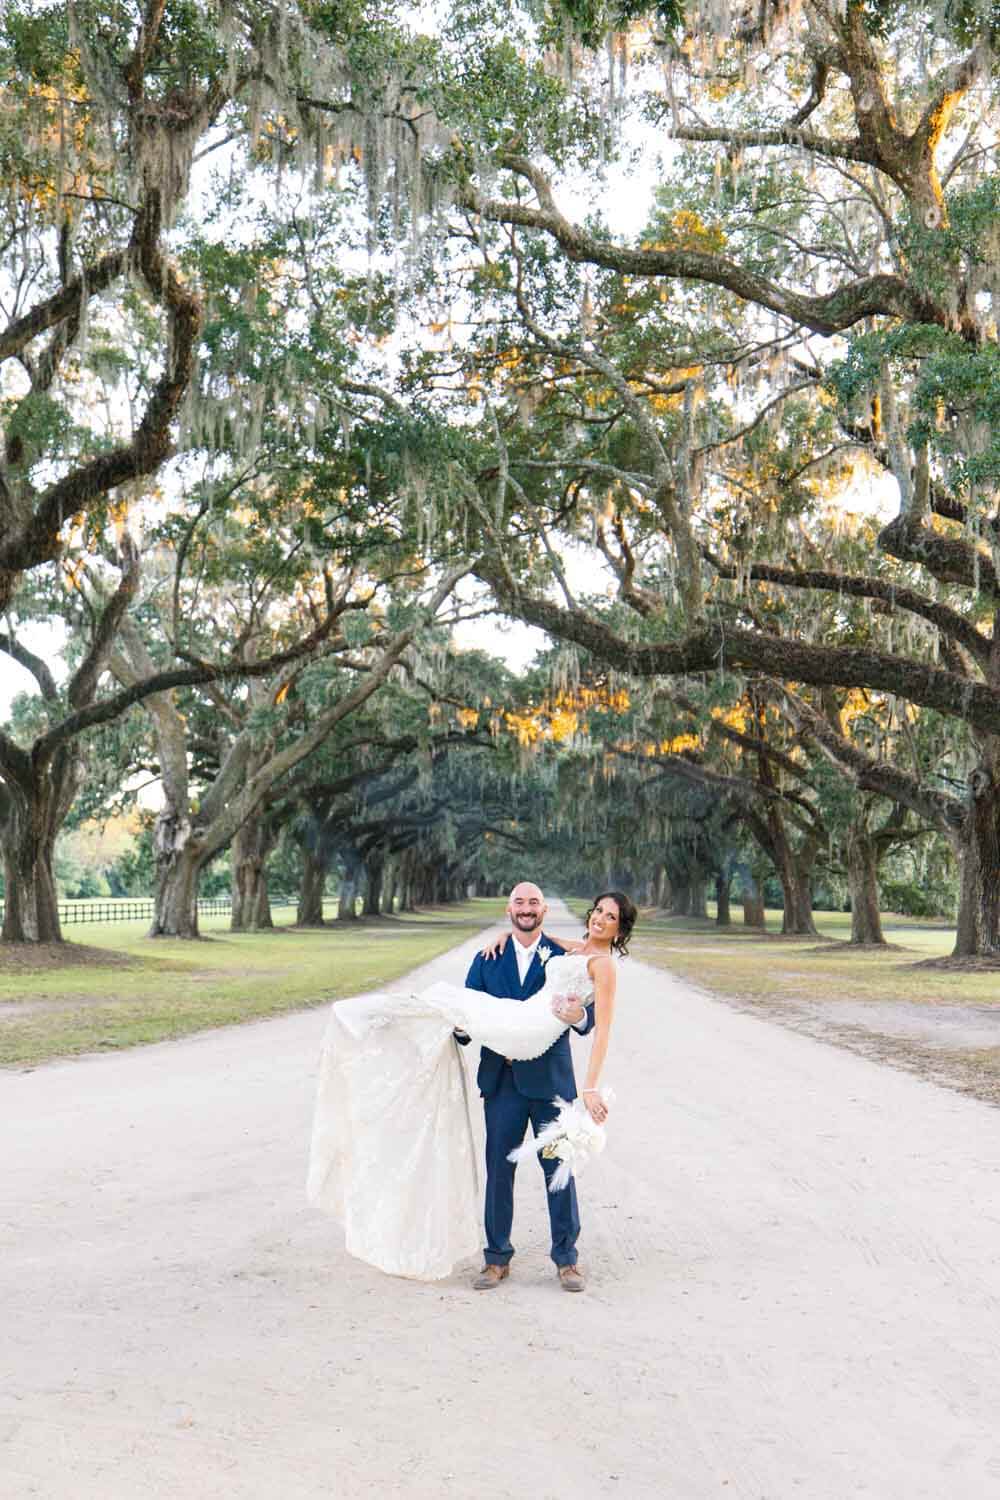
(572, 1138)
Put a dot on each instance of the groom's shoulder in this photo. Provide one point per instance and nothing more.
(484, 964)
(553, 943)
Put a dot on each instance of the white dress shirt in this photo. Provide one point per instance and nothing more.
(524, 953)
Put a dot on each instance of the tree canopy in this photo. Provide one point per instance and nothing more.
(675, 327)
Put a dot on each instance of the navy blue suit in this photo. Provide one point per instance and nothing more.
(515, 1094)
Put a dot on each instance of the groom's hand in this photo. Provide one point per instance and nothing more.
(569, 1008)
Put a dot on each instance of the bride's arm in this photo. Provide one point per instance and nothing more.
(605, 979)
(495, 946)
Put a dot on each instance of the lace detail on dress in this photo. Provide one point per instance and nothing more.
(569, 974)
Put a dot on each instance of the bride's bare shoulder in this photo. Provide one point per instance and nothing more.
(572, 945)
(601, 963)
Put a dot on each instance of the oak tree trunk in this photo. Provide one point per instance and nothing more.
(408, 882)
(862, 881)
(372, 906)
(753, 899)
(978, 931)
(798, 914)
(251, 907)
(347, 899)
(680, 898)
(390, 880)
(753, 907)
(30, 818)
(794, 872)
(310, 909)
(722, 913)
(31, 906)
(179, 860)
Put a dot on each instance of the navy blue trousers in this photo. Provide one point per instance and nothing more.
(508, 1114)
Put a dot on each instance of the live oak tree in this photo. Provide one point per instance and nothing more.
(106, 111)
(41, 775)
(856, 239)
(112, 302)
(41, 769)
(264, 729)
(811, 304)
(438, 701)
(603, 423)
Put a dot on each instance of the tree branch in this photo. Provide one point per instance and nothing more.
(62, 304)
(38, 540)
(947, 558)
(783, 135)
(15, 765)
(947, 620)
(83, 683)
(941, 809)
(827, 313)
(34, 664)
(721, 647)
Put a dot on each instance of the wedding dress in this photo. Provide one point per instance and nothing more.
(393, 1153)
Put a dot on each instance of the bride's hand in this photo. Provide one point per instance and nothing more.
(596, 1107)
(496, 947)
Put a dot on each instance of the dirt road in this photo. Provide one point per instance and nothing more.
(794, 1287)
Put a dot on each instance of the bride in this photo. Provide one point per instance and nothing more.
(393, 1153)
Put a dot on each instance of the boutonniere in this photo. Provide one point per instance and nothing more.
(544, 954)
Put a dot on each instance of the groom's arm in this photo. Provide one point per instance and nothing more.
(584, 1023)
(473, 981)
(587, 1023)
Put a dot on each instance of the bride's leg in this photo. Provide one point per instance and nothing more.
(507, 1114)
(564, 1216)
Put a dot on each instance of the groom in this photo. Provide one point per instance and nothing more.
(515, 1093)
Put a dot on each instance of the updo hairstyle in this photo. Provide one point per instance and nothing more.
(627, 913)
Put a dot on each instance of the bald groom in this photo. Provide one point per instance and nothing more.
(516, 1093)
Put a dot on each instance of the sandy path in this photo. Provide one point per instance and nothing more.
(794, 1287)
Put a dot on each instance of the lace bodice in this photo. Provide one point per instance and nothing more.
(568, 974)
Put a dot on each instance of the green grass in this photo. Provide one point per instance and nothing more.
(740, 962)
(116, 988)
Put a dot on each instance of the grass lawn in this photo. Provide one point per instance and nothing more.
(112, 987)
(740, 962)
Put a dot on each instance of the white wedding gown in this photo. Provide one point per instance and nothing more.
(393, 1152)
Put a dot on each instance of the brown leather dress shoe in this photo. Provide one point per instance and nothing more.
(489, 1277)
(570, 1279)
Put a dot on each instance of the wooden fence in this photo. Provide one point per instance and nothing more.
(125, 909)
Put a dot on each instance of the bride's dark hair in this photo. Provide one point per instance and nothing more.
(627, 913)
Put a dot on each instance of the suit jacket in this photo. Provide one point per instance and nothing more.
(543, 1077)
